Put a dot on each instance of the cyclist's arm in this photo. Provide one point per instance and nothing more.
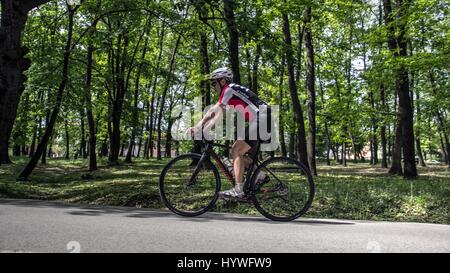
(210, 116)
(216, 115)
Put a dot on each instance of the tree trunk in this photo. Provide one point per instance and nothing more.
(16, 150)
(419, 152)
(24, 149)
(383, 100)
(281, 122)
(327, 130)
(147, 127)
(336, 154)
(135, 118)
(83, 153)
(47, 120)
(153, 95)
(154, 122)
(233, 49)
(233, 45)
(444, 137)
(292, 145)
(418, 146)
(117, 103)
(396, 166)
(383, 129)
(255, 69)
(373, 136)
(398, 46)
(122, 149)
(405, 107)
(50, 146)
(248, 66)
(104, 149)
(355, 159)
(65, 71)
(66, 129)
(205, 66)
(300, 33)
(163, 98)
(33, 141)
(88, 105)
(444, 155)
(121, 88)
(169, 137)
(441, 121)
(13, 64)
(344, 154)
(138, 154)
(298, 113)
(310, 84)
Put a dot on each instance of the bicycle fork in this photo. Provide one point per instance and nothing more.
(196, 171)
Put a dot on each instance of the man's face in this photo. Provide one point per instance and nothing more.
(216, 85)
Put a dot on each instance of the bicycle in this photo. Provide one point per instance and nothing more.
(189, 184)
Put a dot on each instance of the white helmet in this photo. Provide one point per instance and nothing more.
(222, 73)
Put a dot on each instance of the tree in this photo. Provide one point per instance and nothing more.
(398, 46)
(59, 96)
(163, 98)
(88, 96)
(233, 44)
(13, 64)
(298, 113)
(124, 75)
(310, 84)
(135, 118)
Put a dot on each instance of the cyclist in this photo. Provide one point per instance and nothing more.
(251, 108)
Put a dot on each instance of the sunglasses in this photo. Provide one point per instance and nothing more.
(213, 83)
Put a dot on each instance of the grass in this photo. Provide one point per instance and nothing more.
(358, 191)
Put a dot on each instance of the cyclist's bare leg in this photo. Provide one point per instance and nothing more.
(238, 151)
(240, 162)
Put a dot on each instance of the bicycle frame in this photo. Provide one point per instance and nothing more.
(253, 193)
(209, 152)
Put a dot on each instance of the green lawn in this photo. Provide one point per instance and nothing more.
(358, 191)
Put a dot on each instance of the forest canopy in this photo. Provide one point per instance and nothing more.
(355, 80)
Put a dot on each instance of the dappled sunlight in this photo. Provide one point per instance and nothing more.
(358, 191)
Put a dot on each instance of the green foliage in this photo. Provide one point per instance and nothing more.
(352, 64)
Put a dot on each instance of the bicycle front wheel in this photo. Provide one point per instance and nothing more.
(186, 194)
(287, 191)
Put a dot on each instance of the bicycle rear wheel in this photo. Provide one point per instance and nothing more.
(286, 193)
(184, 194)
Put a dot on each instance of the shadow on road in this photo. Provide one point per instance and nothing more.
(93, 210)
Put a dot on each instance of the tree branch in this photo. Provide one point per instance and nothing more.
(31, 4)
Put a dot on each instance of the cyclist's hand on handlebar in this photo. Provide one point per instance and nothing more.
(191, 131)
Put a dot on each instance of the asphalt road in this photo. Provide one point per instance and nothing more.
(39, 226)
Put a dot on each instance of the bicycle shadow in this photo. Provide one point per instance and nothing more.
(132, 212)
(216, 216)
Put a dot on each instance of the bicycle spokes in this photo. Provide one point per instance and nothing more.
(189, 187)
(288, 191)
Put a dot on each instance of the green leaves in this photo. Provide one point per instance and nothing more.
(345, 34)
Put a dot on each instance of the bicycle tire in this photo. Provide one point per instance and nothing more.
(170, 204)
(256, 196)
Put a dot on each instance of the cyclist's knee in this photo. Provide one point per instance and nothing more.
(234, 152)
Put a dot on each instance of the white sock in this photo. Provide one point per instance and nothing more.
(239, 187)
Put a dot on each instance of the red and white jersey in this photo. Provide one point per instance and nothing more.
(243, 99)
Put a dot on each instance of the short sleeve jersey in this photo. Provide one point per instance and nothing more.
(242, 98)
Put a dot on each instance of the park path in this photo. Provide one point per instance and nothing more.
(41, 226)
